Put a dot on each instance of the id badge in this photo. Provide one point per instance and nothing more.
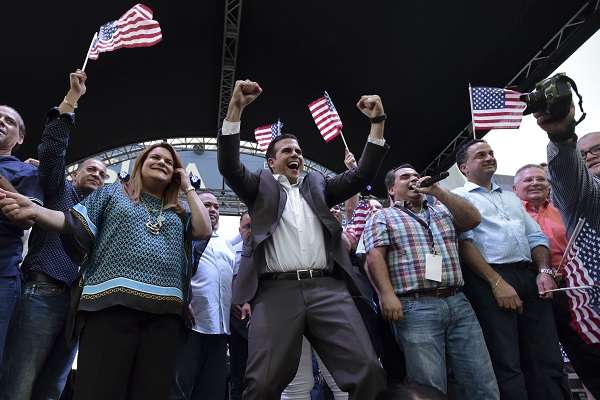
(433, 267)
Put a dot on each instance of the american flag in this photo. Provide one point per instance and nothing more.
(326, 117)
(495, 108)
(266, 133)
(357, 222)
(582, 267)
(135, 28)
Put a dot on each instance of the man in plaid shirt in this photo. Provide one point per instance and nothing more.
(414, 265)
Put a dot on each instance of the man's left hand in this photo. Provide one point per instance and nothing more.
(370, 105)
(349, 159)
(545, 282)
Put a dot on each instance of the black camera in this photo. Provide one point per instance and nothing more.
(551, 96)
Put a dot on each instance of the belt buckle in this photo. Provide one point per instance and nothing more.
(300, 271)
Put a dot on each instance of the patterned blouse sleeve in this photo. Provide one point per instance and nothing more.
(84, 221)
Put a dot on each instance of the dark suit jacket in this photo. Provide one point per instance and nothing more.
(266, 199)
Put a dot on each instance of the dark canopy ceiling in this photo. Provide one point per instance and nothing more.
(419, 56)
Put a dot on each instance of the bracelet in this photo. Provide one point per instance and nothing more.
(189, 189)
(497, 282)
(378, 119)
(73, 106)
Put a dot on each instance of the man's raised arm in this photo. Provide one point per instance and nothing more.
(574, 189)
(346, 184)
(52, 150)
(243, 182)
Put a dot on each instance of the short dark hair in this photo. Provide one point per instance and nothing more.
(390, 177)
(462, 154)
(271, 149)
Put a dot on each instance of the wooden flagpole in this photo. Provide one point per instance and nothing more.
(344, 140)
(87, 56)
(346, 145)
(576, 231)
(472, 119)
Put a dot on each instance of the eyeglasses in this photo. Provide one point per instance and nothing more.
(595, 151)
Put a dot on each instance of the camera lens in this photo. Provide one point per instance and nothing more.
(536, 101)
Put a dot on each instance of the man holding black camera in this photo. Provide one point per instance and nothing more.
(574, 169)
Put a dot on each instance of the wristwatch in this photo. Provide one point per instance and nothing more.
(546, 270)
(378, 119)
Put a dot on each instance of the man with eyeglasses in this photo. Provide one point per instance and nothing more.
(574, 169)
(37, 358)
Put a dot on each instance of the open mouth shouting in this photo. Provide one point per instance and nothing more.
(294, 165)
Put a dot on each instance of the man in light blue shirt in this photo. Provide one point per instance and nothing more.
(202, 361)
(238, 340)
(507, 281)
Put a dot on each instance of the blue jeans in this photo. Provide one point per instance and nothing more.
(10, 289)
(38, 358)
(433, 328)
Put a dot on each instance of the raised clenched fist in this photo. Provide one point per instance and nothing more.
(244, 93)
(370, 105)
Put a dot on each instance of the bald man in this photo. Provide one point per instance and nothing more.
(201, 372)
(574, 169)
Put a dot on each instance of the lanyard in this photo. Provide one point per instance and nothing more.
(422, 223)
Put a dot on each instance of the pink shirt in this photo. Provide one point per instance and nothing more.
(548, 217)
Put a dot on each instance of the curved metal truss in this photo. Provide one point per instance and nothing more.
(230, 203)
(199, 144)
(582, 24)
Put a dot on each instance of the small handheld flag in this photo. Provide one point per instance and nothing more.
(266, 133)
(357, 222)
(495, 108)
(135, 28)
(326, 117)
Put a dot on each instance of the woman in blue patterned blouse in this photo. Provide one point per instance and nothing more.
(131, 243)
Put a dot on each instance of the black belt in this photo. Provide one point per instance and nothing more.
(440, 293)
(295, 275)
(40, 277)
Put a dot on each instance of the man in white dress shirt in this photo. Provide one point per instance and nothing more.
(202, 366)
(297, 273)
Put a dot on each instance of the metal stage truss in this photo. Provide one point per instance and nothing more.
(231, 33)
(230, 203)
(548, 58)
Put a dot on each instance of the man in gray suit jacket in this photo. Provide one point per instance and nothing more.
(296, 272)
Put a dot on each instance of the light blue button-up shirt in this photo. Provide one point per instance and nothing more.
(506, 233)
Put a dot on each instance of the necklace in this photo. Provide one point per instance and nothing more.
(500, 210)
(154, 227)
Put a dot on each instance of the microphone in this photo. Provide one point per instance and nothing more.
(431, 180)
